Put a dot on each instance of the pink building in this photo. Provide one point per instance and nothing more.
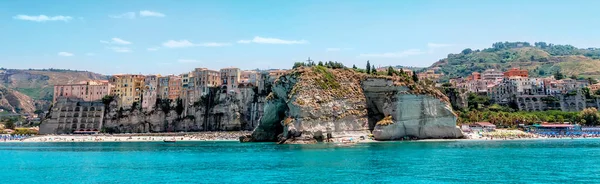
(85, 90)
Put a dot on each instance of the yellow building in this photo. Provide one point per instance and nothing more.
(127, 88)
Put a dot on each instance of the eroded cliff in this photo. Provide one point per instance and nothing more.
(216, 111)
(313, 104)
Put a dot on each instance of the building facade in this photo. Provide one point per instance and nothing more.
(150, 91)
(85, 90)
(127, 88)
(204, 79)
(230, 78)
(71, 115)
(515, 72)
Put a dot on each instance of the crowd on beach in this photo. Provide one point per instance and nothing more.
(146, 137)
(503, 134)
(9, 137)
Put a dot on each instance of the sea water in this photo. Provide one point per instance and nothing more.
(540, 161)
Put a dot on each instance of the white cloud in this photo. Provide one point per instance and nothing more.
(120, 41)
(90, 54)
(186, 43)
(128, 15)
(120, 49)
(244, 41)
(147, 13)
(152, 49)
(178, 44)
(438, 45)
(404, 53)
(188, 61)
(116, 41)
(65, 54)
(263, 40)
(43, 18)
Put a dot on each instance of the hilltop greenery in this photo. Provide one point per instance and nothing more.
(541, 59)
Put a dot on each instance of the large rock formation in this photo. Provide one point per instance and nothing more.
(214, 112)
(314, 104)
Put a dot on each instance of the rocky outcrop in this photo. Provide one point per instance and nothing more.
(216, 111)
(319, 104)
(419, 116)
(313, 104)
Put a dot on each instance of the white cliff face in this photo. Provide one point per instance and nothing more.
(419, 116)
(220, 112)
(304, 109)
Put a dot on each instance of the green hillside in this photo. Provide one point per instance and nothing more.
(541, 59)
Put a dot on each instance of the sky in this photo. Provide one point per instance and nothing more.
(173, 37)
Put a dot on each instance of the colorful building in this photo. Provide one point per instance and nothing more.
(230, 78)
(429, 74)
(515, 72)
(250, 77)
(204, 79)
(85, 91)
(174, 87)
(150, 93)
(127, 88)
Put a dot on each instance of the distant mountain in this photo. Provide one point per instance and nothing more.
(541, 59)
(25, 91)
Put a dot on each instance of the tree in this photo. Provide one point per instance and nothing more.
(573, 77)
(10, 124)
(354, 67)
(541, 72)
(415, 77)
(532, 58)
(558, 75)
(390, 71)
(368, 67)
(373, 70)
(590, 115)
(298, 64)
(467, 51)
(320, 63)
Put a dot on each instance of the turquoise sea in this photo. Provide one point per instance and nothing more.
(543, 161)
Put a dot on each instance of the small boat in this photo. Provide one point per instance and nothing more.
(172, 140)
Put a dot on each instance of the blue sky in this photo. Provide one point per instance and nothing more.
(167, 37)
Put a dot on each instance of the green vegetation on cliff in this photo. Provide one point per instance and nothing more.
(541, 59)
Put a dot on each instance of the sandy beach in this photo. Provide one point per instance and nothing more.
(149, 137)
(498, 135)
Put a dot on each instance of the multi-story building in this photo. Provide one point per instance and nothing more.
(204, 79)
(174, 87)
(429, 74)
(127, 88)
(150, 93)
(163, 87)
(515, 72)
(71, 115)
(250, 77)
(491, 74)
(85, 91)
(188, 87)
(230, 78)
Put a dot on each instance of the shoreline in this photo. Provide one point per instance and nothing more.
(122, 138)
